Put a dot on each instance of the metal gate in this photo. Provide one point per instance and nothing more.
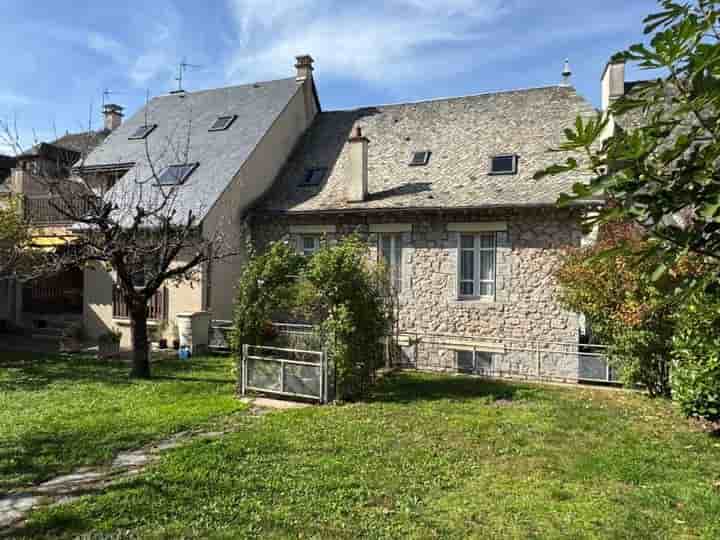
(286, 372)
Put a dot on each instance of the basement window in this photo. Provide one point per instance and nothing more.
(420, 158)
(176, 174)
(142, 131)
(313, 177)
(504, 164)
(222, 123)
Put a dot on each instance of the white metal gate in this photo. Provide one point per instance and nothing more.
(287, 372)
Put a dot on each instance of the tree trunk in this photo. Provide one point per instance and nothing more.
(138, 328)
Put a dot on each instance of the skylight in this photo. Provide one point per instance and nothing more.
(175, 174)
(504, 164)
(222, 123)
(142, 131)
(313, 177)
(420, 158)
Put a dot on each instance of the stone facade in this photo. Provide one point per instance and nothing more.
(508, 327)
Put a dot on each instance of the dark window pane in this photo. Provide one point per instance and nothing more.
(420, 158)
(467, 288)
(222, 123)
(467, 265)
(465, 361)
(142, 131)
(467, 242)
(503, 164)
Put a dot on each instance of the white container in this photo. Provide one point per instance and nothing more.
(194, 330)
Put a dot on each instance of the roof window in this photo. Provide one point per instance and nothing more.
(222, 123)
(504, 164)
(142, 131)
(174, 175)
(420, 158)
(313, 177)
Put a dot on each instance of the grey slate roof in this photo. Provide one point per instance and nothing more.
(182, 136)
(462, 134)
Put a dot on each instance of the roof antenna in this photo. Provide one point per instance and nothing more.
(567, 73)
(182, 67)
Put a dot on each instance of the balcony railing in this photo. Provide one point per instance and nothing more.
(48, 210)
(157, 306)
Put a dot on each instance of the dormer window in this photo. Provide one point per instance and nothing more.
(175, 175)
(142, 131)
(313, 177)
(504, 164)
(420, 158)
(223, 122)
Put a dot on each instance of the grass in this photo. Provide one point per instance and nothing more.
(58, 414)
(427, 457)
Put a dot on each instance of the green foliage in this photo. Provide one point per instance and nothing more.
(344, 294)
(336, 289)
(663, 163)
(625, 308)
(696, 375)
(266, 286)
(14, 236)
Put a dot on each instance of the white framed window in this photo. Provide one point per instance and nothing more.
(308, 244)
(476, 265)
(390, 253)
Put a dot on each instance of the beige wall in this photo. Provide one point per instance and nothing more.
(256, 176)
(183, 297)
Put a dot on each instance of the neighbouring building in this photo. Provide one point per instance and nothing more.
(232, 142)
(46, 305)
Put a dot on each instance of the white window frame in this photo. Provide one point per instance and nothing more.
(301, 244)
(395, 259)
(477, 250)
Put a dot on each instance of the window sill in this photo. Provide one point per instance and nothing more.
(474, 301)
(152, 323)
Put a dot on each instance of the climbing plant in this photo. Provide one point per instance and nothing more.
(338, 289)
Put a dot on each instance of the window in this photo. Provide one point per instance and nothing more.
(477, 265)
(142, 131)
(309, 244)
(390, 253)
(175, 174)
(506, 164)
(222, 123)
(313, 177)
(480, 362)
(420, 158)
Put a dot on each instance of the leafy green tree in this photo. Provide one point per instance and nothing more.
(662, 174)
(14, 238)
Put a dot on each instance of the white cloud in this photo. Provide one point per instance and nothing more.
(398, 40)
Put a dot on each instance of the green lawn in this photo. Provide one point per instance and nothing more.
(427, 457)
(56, 415)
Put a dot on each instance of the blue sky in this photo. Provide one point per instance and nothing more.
(58, 56)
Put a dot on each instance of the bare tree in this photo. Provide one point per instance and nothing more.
(128, 221)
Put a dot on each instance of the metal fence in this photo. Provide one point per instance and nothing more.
(286, 372)
(505, 357)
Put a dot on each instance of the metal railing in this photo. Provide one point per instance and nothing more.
(50, 209)
(506, 357)
(285, 372)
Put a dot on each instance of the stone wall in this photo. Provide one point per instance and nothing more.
(524, 310)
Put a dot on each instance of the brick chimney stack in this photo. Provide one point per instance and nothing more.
(113, 116)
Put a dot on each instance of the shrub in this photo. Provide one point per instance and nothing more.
(696, 351)
(336, 289)
(624, 307)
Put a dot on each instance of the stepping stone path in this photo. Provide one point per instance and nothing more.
(15, 506)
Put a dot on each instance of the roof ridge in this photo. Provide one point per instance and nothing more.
(205, 90)
(450, 98)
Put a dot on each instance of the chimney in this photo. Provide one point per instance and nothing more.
(612, 82)
(113, 116)
(357, 187)
(566, 74)
(304, 66)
